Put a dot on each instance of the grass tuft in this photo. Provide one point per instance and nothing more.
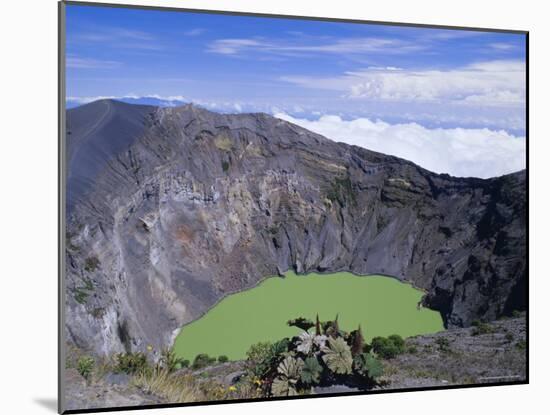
(172, 387)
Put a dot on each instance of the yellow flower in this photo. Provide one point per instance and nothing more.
(258, 382)
(232, 388)
(149, 348)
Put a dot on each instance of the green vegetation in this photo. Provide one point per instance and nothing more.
(162, 378)
(338, 356)
(166, 385)
(81, 293)
(131, 363)
(443, 344)
(384, 305)
(223, 359)
(98, 312)
(225, 165)
(203, 360)
(398, 342)
(85, 366)
(400, 182)
(80, 296)
(91, 263)
(311, 371)
(223, 143)
(341, 191)
(260, 357)
(367, 365)
(302, 323)
(480, 327)
(171, 362)
(322, 354)
(388, 347)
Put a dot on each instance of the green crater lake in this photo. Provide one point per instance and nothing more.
(382, 305)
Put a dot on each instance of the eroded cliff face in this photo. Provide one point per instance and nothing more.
(195, 205)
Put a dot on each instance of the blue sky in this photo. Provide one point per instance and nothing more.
(307, 70)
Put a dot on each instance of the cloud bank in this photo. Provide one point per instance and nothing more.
(457, 151)
(494, 83)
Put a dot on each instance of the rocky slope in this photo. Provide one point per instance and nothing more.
(493, 353)
(182, 206)
(464, 356)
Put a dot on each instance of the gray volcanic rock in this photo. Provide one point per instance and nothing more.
(97, 133)
(188, 205)
(461, 357)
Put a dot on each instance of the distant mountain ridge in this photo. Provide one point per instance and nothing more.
(182, 206)
(144, 100)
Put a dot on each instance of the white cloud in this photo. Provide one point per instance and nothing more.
(161, 97)
(118, 38)
(338, 46)
(233, 46)
(195, 32)
(114, 33)
(88, 63)
(503, 46)
(498, 83)
(457, 151)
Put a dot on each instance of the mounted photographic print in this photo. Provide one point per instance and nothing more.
(256, 207)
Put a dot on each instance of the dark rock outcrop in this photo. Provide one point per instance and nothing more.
(186, 206)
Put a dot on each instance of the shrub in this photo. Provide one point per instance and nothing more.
(289, 372)
(203, 360)
(481, 328)
(384, 347)
(337, 356)
(443, 344)
(311, 371)
(80, 296)
(302, 323)
(131, 363)
(223, 359)
(366, 365)
(170, 362)
(509, 337)
(279, 347)
(259, 358)
(326, 356)
(341, 191)
(85, 366)
(398, 342)
(182, 364)
(412, 349)
(91, 263)
(82, 292)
